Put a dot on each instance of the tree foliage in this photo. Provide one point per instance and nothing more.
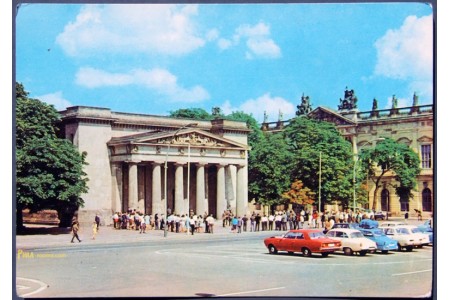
(299, 194)
(49, 170)
(394, 158)
(318, 147)
(192, 113)
(269, 174)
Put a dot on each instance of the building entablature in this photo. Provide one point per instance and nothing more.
(193, 145)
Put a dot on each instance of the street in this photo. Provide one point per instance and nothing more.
(223, 264)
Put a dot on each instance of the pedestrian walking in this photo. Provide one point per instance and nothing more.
(75, 228)
(94, 230)
(97, 221)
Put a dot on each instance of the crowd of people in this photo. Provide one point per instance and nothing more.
(288, 220)
(192, 223)
(184, 223)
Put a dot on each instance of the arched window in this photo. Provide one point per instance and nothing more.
(385, 200)
(404, 203)
(426, 199)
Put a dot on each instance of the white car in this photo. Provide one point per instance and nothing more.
(352, 241)
(406, 236)
(391, 223)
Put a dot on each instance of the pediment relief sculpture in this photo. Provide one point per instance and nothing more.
(193, 139)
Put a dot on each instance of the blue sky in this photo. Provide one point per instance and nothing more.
(255, 58)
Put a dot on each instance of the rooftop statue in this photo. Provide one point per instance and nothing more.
(305, 107)
(349, 101)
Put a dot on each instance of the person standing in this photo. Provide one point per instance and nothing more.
(271, 219)
(156, 222)
(97, 221)
(239, 225)
(192, 225)
(94, 230)
(75, 228)
(257, 222)
(211, 223)
(244, 222)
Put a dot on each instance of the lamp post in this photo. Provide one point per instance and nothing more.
(165, 172)
(354, 171)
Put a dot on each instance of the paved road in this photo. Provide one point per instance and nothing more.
(126, 263)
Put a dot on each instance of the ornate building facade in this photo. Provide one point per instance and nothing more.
(413, 126)
(154, 164)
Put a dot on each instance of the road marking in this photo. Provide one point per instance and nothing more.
(43, 286)
(408, 273)
(251, 292)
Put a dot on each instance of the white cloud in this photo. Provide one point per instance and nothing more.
(56, 99)
(272, 106)
(158, 80)
(258, 41)
(407, 53)
(156, 28)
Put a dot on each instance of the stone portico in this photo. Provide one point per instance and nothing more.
(150, 163)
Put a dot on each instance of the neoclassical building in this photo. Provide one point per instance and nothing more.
(153, 164)
(413, 126)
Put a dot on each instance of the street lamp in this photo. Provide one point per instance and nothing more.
(354, 171)
(165, 172)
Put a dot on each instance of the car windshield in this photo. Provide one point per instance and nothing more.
(316, 235)
(378, 232)
(355, 235)
(415, 230)
(402, 231)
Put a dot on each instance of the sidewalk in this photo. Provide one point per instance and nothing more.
(52, 236)
(48, 236)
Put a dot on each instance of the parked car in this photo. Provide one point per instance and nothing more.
(404, 237)
(391, 223)
(345, 225)
(424, 238)
(428, 231)
(352, 241)
(384, 243)
(305, 241)
(379, 215)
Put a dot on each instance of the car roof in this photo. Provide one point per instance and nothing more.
(305, 230)
(344, 229)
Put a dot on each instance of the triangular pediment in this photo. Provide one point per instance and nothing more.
(328, 115)
(190, 136)
(425, 139)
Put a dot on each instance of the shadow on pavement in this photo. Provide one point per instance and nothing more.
(42, 230)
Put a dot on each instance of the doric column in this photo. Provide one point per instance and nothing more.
(221, 201)
(117, 185)
(200, 189)
(156, 189)
(132, 185)
(241, 184)
(179, 189)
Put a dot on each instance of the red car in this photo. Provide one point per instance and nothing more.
(306, 241)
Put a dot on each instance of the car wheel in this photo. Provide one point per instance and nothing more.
(272, 249)
(325, 254)
(362, 253)
(348, 251)
(384, 251)
(306, 252)
(409, 248)
(399, 248)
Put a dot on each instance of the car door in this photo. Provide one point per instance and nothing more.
(289, 241)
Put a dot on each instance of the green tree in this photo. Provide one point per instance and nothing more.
(49, 170)
(311, 141)
(192, 113)
(269, 174)
(390, 157)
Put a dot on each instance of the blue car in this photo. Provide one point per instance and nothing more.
(384, 243)
(428, 231)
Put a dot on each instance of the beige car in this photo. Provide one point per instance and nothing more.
(353, 241)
